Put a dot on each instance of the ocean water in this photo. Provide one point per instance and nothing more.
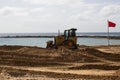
(41, 42)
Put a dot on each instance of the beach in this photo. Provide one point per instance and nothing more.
(36, 63)
(59, 40)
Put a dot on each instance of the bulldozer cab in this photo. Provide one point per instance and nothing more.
(69, 33)
(70, 39)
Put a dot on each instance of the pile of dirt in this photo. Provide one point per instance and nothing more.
(108, 56)
(35, 56)
(75, 57)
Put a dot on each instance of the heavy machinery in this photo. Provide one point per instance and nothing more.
(68, 40)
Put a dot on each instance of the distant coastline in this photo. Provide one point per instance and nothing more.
(111, 37)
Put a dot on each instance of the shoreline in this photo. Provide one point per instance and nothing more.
(110, 37)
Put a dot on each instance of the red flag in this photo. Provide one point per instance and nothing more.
(111, 24)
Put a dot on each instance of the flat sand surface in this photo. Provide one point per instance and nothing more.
(84, 63)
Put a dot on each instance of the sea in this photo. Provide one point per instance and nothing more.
(41, 41)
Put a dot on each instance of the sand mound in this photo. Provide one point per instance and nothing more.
(107, 56)
(34, 56)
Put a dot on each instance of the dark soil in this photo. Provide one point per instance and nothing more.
(96, 66)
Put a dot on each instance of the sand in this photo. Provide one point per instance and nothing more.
(84, 63)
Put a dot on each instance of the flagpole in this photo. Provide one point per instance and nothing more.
(108, 35)
(110, 24)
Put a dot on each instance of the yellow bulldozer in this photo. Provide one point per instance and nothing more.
(68, 40)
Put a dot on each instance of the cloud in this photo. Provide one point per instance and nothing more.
(110, 10)
(13, 11)
(38, 15)
(53, 2)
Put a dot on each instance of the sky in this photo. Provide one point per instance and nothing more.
(37, 16)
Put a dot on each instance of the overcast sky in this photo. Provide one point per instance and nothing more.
(18, 16)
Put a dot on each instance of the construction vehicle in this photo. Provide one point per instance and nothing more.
(68, 40)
